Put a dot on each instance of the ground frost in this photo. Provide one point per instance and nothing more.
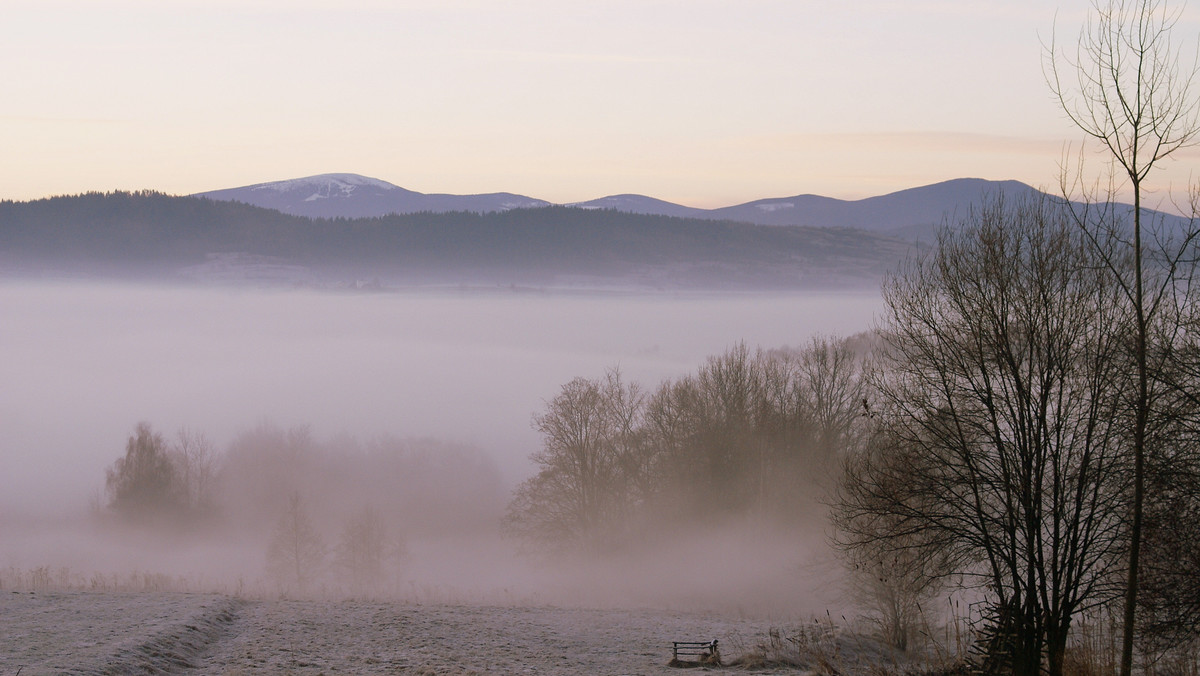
(160, 633)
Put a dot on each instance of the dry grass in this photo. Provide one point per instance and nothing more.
(47, 578)
(1095, 650)
(822, 647)
(830, 649)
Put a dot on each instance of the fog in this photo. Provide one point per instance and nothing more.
(84, 363)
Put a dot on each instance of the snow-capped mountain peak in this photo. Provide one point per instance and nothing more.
(356, 196)
(327, 184)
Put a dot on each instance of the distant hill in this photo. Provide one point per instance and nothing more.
(354, 196)
(930, 205)
(916, 211)
(640, 204)
(151, 235)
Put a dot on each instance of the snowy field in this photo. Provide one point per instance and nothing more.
(125, 633)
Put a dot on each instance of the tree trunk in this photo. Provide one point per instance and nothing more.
(1056, 648)
(1141, 415)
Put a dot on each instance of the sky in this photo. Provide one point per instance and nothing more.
(706, 103)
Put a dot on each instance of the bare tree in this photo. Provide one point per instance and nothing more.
(998, 407)
(897, 588)
(578, 494)
(811, 416)
(623, 406)
(725, 448)
(1129, 93)
(296, 554)
(145, 482)
(196, 463)
(831, 380)
(365, 552)
(1169, 585)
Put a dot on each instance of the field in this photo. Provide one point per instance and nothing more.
(85, 632)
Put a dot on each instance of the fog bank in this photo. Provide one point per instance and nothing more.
(85, 362)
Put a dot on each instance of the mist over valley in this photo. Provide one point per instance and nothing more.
(443, 383)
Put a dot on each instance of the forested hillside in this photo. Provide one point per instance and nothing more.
(152, 235)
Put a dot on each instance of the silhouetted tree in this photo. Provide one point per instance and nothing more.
(1129, 94)
(1169, 585)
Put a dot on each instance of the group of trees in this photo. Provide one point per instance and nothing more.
(735, 438)
(1007, 409)
(161, 480)
(1035, 413)
(333, 514)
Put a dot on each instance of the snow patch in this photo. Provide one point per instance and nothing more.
(326, 184)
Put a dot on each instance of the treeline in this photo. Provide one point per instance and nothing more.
(139, 234)
(750, 433)
(1003, 454)
(151, 234)
(333, 512)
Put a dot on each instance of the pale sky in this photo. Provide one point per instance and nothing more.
(703, 102)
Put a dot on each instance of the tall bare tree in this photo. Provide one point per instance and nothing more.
(196, 462)
(1126, 88)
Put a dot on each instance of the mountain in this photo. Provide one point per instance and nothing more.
(915, 211)
(929, 205)
(149, 235)
(355, 196)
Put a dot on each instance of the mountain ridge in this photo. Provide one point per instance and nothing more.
(356, 196)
